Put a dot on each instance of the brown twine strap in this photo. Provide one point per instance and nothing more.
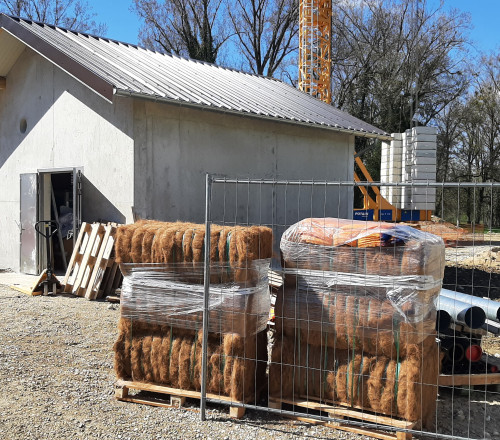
(194, 356)
(355, 324)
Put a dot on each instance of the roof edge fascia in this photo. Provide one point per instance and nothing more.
(72, 67)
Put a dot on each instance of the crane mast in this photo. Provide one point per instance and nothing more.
(315, 66)
(315, 71)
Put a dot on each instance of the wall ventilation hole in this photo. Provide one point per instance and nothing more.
(23, 126)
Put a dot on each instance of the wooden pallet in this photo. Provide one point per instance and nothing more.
(455, 380)
(340, 412)
(35, 289)
(92, 271)
(177, 396)
(111, 281)
(114, 298)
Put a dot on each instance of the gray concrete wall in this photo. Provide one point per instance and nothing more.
(176, 146)
(67, 126)
(154, 157)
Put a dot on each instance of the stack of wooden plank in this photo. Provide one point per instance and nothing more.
(92, 272)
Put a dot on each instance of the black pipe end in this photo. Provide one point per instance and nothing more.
(443, 320)
(475, 317)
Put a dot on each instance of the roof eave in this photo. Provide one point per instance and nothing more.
(69, 65)
(128, 93)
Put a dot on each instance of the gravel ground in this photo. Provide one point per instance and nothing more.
(57, 382)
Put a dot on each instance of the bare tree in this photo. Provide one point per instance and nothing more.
(397, 60)
(188, 27)
(449, 123)
(266, 32)
(469, 140)
(71, 14)
(473, 153)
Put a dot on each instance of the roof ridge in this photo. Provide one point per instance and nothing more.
(137, 46)
(54, 26)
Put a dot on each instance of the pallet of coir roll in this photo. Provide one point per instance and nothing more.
(159, 338)
(92, 271)
(355, 319)
(171, 356)
(402, 389)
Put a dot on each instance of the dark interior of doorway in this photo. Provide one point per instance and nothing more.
(62, 210)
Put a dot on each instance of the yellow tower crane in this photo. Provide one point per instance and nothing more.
(315, 72)
(315, 61)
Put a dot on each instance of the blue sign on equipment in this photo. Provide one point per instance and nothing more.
(409, 215)
(363, 214)
(385, 215)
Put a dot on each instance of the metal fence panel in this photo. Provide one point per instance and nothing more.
(336, 370)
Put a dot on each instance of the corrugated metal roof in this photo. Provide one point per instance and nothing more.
(129, 69)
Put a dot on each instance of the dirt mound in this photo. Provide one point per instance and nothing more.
(488, 260)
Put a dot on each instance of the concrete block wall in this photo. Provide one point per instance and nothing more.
(410, 157)
(391, 168)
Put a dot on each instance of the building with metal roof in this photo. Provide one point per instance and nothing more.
(112, 68)
(114, 130)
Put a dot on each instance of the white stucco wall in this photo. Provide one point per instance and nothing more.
(67, 126)
(176, 146)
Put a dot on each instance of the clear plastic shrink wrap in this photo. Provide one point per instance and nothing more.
(357, 278)
(355, 321)
(153, 293)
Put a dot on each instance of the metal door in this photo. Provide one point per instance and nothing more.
(29, 216)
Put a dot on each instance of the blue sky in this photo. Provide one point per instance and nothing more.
(124, 25)
(484, 16)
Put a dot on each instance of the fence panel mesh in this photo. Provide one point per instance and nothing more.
(360, 335)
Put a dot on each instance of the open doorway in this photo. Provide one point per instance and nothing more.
(60, 200)
(50, 195)
(62, 212)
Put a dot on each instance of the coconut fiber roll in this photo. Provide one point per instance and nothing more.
(123, 243)
(404, 388)
(345, 321)
(122, 350)
(149, 241)
(170, 356)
